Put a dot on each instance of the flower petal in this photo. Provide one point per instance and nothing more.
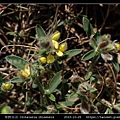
(55, 44)
(117, 46)
(59, 53)
(56, 36)
(43, 60)
(6, 86)
(50, 59)
(23, 74)
(27, 69)
(63, 47)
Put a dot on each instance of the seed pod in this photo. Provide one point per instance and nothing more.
(103, 44)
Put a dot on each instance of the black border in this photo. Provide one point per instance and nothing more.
(59, 116)
(61, 2)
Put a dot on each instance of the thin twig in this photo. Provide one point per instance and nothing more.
(54, 21)
(18, 46)
(107, 14)
(101, 88)
(115, 81)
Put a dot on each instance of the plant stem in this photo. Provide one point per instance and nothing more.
(7, 97)
(56, 65)
(26, 97)
(42, 92)
(94, 60)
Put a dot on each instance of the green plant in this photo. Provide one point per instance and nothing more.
(102, 46)
(48, 65)
(45, 73)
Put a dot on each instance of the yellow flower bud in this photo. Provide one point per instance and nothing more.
(55, 44)
(107, 36)
(26, 72)
(56, 36)
(7, 86)
(59, 53)
(117, 46)
(63, 47)
(43, 60)
(27, 69)
(50, 59)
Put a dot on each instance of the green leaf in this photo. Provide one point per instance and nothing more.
(93, 41)
(116, 64)
(52, 97)
(117, 107)
(109, 111)
(6, 110)
(16, 80)
(34, 85)
(88, 75)
(66, 103)
(37, 111)
(87, 27)
(17, 61)
(40, 31)
(66, 21)
(71, 53)
(42, 51)
(73, 97)
(56, 80)
(93, 90)
(12, 33)
(90, 54)
(97, 35)
(61, 23)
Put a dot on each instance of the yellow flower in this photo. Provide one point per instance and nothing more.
(63, 47)
(27, 69)
(56, 36)
(43, 60)
(117, 46)
(6, 86)
(26, 72)
(59, 49)
(55, 44)
(50, 58)
(107, 36)
(59, 53)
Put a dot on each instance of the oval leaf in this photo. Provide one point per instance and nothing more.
(88, 75)
(89, 55)
(66, 103)
(52, 97)
(16, 61)
(71, 53)
(40, 31)
(16, 80)
(55, 82)
(87, 27)
(41, 52)
(116, 65)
